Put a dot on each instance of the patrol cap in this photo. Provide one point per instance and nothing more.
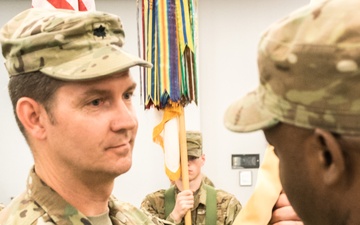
(309, 72)
(194, 143)
(66, 44)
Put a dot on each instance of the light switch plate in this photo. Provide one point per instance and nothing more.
(245, 178)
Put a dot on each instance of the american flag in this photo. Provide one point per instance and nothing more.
(78, 5)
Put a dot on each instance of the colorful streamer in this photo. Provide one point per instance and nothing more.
(169, 29)
(168, 38)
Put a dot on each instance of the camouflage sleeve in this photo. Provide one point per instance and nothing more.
(233, 210)
(171, 220)
(154, 204)
(229, 207)
(157, 220)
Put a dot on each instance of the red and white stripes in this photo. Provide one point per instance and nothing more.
(78, 5)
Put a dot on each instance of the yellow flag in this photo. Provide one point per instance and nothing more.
(166, 134)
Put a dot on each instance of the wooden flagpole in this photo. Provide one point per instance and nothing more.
(184, 161)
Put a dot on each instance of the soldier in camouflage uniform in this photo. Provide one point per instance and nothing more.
(71, 91)
(195, 199)
(308, 105)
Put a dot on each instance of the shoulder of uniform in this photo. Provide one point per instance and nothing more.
(153, 199)
(224, 195)
(21, 211)
(157, 194)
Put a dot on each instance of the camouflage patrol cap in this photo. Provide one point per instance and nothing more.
(194, 143)
(65, 44)
(309, 72)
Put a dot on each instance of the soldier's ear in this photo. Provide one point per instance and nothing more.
(331, 157)
(203, 158)
(30, 115)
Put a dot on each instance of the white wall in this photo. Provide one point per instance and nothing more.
(228, 34)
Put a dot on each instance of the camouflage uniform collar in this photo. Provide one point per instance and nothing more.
(60, 211)
(39, 204)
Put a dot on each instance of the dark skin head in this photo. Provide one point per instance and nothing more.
(319, 173)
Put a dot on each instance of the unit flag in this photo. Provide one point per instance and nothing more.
(77, 5)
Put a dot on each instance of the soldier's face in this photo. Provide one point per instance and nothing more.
(299, 168)
(194, 166)
(94, 126)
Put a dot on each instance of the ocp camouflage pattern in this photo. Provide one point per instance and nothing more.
(40, 205)
(227, 206)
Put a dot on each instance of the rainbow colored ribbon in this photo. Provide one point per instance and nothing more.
(169, 44)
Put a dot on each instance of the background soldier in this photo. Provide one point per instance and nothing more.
(214, 206)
